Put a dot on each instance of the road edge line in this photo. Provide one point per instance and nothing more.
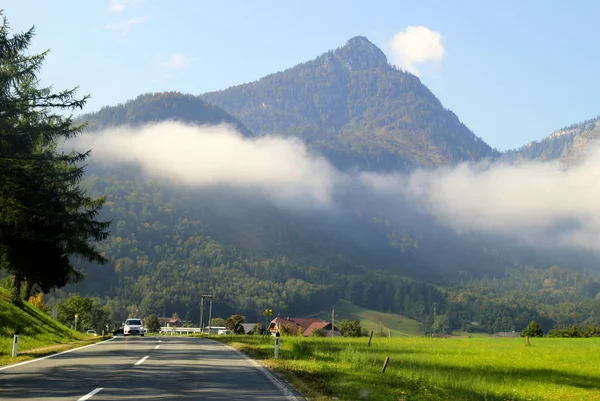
(91, 394)
(287, 390)
(53, 355)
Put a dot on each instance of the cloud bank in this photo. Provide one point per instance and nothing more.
(416, 44)
(537, 202)
(219, 156)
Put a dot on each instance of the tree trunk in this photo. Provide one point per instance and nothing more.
(28, 289)
(16, 290)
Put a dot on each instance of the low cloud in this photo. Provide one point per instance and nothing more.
(177, 61)
(539, 203)
(416, 44)
(281, 169)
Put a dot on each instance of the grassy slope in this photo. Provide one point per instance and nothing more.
(433, 369)
(399, 325)
(37, 330)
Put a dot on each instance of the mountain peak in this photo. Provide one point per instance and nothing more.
(359, 53)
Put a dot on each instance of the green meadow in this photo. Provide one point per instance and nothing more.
(378, 322)
(434, 369)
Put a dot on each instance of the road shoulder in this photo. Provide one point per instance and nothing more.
(286, 388)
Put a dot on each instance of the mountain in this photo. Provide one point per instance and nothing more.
(356, 109)
(171, 243)
(565, 144)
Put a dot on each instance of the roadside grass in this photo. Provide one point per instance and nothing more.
(400, 326)
(433, 369)
(39, 334)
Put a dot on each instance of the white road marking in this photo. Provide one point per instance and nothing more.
(90, 394)
(157, 347)
(53, 355)
(142, 360)
(282, 386)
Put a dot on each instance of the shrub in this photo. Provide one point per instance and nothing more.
(319, 332)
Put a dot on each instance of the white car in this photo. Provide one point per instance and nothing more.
(91, 333)
(133, 327)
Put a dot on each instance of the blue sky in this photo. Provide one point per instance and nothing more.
(512, 72)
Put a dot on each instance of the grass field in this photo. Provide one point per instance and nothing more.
(37, 332)
(434, 369)
(399, 325)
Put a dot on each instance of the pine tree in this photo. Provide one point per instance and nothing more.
(45, 217)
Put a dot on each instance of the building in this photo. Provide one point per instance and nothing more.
(248, 327)
(170, 321)
(303, 326)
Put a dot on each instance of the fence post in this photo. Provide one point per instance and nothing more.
(370, 338)
(15, 349)
(387, 359)
(276, 345)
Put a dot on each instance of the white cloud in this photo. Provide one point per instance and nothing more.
(177, 61)
(541, 203)
(125, 26)
(118, 6)
(417, 44)
(281, 169)
(537, 202)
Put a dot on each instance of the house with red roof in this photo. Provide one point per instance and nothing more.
(303, 326)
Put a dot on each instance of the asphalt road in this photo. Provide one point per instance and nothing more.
(148, 368)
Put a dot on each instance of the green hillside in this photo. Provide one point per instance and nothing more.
(378, 322)
(37, 330)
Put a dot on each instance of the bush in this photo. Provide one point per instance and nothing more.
(234, 323)
(152, 324)
(350, 328)
(574, 332)
(319, 332)
(532, 330)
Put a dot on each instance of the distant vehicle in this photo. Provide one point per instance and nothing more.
(91, 333)
(133, 327)
(118, 331)
(222, 332)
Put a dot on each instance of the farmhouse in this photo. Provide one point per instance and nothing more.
(170, 321)
(300, 325)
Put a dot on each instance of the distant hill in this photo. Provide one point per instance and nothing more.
(153, 107)
(372, 320)
(352, 106)
(566, 144)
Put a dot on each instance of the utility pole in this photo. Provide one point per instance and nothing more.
(210, 314)
(209, 296)
(201, 313)
(332, 320)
